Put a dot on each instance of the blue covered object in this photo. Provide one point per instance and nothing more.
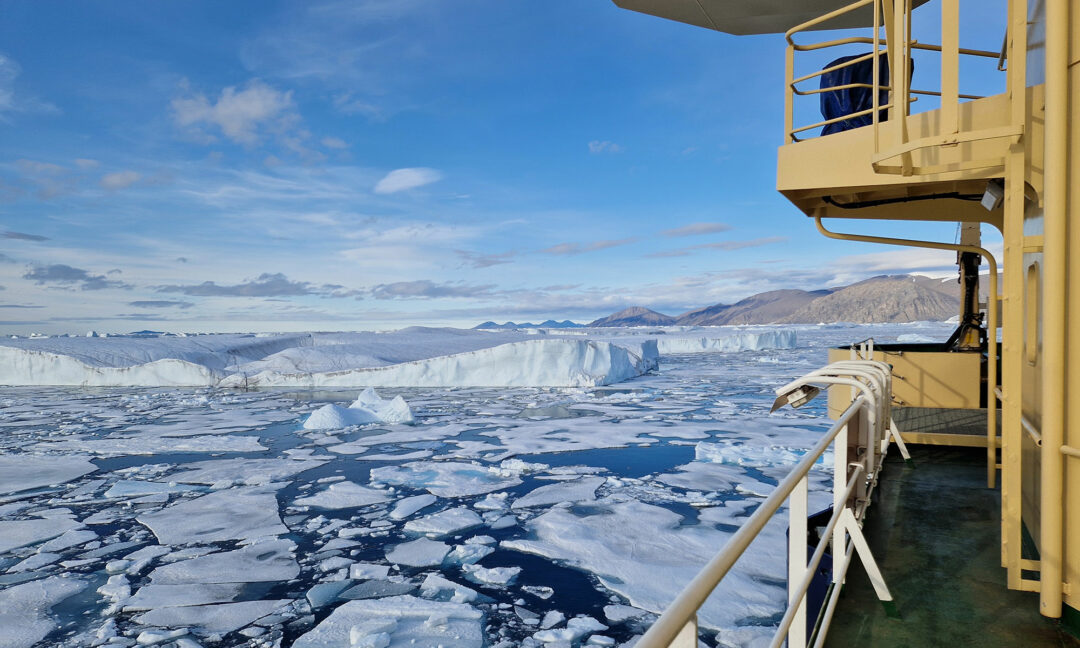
(852, 100)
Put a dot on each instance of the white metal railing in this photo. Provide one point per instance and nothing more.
(860, 439)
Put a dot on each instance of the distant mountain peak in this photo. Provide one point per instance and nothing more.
(635, 316)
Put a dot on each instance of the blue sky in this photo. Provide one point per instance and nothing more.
(237, 166)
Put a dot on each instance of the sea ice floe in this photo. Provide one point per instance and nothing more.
(24, 609)
(409, 505)
(212, 619)
(270, 560)
(133, 488)
(737, 341)
(406, 621)
(139, 445)
(575, 629)
(444, 523)
(468, 554)
(367, 571)
(158, 595)
(421, 552)
(22, 472)
(445, 479)
(234, 514)
(625, 544)
(342, 495)
(437, 587)
(20, 533)
(369, 407)
(242, 471)
(500, 576)
(579, 490)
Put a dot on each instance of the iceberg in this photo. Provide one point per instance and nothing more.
(729, 342)
(367, 408)
(412, 357)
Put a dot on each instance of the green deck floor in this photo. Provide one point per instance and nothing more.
(935, 532)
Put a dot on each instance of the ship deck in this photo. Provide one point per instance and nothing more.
(935, 531)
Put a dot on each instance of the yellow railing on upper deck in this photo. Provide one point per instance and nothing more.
(893, 147)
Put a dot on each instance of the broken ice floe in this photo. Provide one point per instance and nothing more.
(234, 514)
(398, 621)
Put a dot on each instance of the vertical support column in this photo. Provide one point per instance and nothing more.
(1055, 340)
(950, 66)
(797, 549)
(1012, 303)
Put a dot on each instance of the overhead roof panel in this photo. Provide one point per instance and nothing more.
(742, 17)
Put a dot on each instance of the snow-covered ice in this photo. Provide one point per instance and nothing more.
(342, 495)
(421, 552)
(405, 621)
(24, 609)
(235, 514)
(21, 472)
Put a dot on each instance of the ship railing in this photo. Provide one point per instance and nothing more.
(859, 440)
(898, 44)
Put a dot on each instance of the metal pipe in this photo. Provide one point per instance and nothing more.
(1055, 338)
(693, 596)
(992, 320)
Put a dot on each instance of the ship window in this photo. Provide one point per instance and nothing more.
(1032, 306)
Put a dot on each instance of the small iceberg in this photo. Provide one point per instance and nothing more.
(369, 407)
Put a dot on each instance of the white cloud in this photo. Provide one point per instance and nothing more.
(334, 143)
(86, 163)
(120, 180)
(12, 102)
(596, 147)
(697, 229)
(403, 179)
(239, 114)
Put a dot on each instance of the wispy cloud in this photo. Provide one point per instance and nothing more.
(10, 100)
(597, 147)
(119, 180)
(22, 236)
(697, 229)
(66, 275)
(159, 303)
(265, 285)
(477, 260)
(722, 245)
(582, 248)
(334, 143)
(404, 179)
(425, 289)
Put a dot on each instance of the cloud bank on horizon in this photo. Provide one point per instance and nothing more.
(329, 166)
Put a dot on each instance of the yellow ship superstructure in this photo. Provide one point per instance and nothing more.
(1009, 159)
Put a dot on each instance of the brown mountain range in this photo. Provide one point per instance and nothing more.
(887, 298)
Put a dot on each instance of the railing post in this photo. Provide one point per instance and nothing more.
(839, 541)
(688, 636)
(797, 549)
(789, 94)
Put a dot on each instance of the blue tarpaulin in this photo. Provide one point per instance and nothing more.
(852, 100)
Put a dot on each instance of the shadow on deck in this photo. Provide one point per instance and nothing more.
(935, 531)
